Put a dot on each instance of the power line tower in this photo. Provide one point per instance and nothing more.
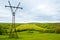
(13, 34)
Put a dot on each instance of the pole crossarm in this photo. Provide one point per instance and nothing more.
(14, 7)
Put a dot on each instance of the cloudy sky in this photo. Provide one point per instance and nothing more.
(33, 10)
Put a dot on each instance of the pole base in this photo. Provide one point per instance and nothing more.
(13, 35)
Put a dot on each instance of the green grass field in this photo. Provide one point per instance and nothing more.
(33, 36)
(31, 31)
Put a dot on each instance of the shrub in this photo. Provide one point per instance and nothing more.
(58, 30)
(3, 30)
(50, 31)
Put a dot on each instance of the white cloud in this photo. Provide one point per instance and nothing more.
(33, 10)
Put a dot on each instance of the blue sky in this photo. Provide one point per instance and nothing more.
(33, 10)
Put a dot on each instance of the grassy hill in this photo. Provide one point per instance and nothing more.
(31, 31)
(42, 27)
(29, 26)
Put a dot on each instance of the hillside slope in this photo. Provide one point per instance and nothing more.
(30, 26)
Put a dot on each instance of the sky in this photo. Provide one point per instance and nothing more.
(33, 11)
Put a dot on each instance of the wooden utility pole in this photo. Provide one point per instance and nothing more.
(13, 34)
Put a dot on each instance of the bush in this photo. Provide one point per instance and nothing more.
(3, 30)
(58, 30)
(0, 33)
(50, 31)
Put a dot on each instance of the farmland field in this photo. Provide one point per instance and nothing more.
(31, 31)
